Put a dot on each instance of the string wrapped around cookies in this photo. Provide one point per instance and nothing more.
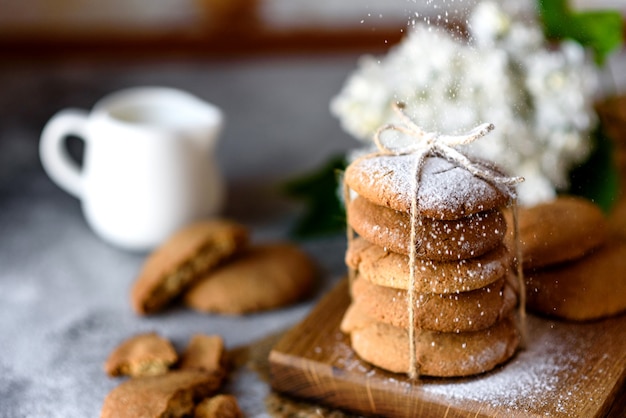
(452, 204)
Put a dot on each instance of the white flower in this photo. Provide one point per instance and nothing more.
(489, 24)
(539, 98)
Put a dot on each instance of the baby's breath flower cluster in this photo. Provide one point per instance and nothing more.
(538, 95)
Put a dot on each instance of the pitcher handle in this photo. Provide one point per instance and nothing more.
(55, 158)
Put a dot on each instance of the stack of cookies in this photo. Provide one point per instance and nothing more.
(466, 293)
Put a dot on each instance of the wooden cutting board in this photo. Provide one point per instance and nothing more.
(567, 370)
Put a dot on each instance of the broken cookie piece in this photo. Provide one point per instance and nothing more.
(205, 353)
(142, 355)
(173, 395)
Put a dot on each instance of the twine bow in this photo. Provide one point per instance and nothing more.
(428, 144)
(432, 143)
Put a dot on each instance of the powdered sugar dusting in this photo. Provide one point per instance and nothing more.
(563, 372)
(534, 381)
(445, 190)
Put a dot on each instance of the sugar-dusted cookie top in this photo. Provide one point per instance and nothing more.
(445, 190)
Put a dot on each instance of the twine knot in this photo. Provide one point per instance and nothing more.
(432, 143)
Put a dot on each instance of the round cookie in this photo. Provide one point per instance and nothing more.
(588, 288)
(442, 354)
(439, 240)
(563, 229)
(390, 269)
(265, 277)
(446, 191)
(459, 312)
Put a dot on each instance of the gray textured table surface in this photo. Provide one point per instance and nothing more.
(64, 292)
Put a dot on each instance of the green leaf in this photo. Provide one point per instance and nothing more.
(554, 15)
(602, 31)
(324, 211)
(598, 178)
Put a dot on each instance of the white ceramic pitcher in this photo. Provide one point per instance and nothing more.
(148, 167)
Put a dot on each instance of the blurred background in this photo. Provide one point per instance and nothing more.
(205, 27)
(210, 27)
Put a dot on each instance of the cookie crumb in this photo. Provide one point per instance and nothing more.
(219, 406)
